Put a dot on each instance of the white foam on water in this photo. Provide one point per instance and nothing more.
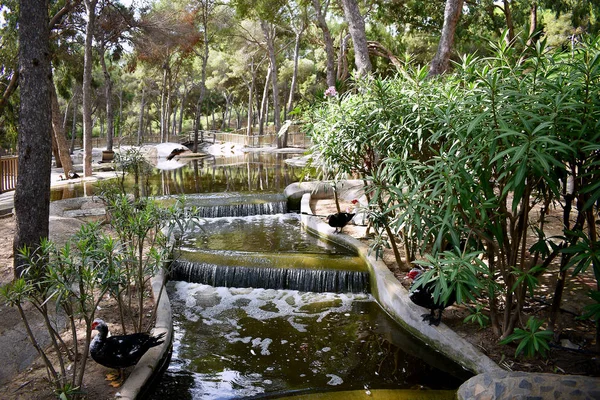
(335, 380)
(231, 307)
(268, 219)
(234, 336)
(226, 384)
(215, 305)
(263, 344)
(227, 306)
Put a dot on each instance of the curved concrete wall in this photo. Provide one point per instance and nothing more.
(142, 375)
(393, 298)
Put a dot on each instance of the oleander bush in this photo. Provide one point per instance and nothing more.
(476, 159)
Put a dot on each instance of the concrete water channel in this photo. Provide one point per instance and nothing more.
(373, 355)
(221, 185)
(262, 308)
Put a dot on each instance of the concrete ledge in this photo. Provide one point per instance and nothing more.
(393, 298)
(93, 212)
(150, 363)
(349, 189)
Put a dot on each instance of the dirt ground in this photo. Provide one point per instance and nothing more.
(33, 384)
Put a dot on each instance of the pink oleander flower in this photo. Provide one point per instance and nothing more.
(330, 92)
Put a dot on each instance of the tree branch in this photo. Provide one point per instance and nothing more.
(14, 81)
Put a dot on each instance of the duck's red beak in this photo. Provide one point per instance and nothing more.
(94, 325)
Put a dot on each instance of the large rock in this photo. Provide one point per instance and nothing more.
(521, 385)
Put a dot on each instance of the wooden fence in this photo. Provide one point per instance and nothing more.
(9, 165)
(8, 173)
(295, 139)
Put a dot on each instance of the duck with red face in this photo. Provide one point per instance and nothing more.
(423, 296)
(120, 351)
(339, 220)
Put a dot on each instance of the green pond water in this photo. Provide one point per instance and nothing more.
(254, 342)
(245, 343)
(281, 234)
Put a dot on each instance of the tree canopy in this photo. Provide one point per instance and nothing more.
(167, 40)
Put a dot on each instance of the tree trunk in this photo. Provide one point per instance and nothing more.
(198, 126)
(263, 105)
(66, 115)
(168, 107)
(532, 24)
(329, 50)
(238, 117)
(90, 7)
(32, 194)
(10, 89)
(440, 61)
(119, 131)
(356, 25)
(174, 121)
(290, 102)
(141, 116)
(74, 125)
(110, 129)
(182, 106)
(509, 22)
(163, 105)
(342, 65)
(59, 136)
(55, 151)
(204, 57)
(250, 99)
(269, 32)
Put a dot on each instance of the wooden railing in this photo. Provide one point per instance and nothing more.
(296, 138)
(8, 173)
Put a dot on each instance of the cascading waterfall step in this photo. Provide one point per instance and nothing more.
(223, 205)
(306, 280)
(267, 251)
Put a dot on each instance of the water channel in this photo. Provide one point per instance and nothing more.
(262, 334)
(263, 309)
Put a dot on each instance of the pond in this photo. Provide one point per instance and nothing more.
(252, 172)
(297, 318)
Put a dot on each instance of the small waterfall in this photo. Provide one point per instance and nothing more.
(243, 210)
(307, 280)
(238, 205)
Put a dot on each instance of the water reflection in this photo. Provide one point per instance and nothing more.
(253, 172)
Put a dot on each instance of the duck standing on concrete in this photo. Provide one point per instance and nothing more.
(339, 220)
(121, 351)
